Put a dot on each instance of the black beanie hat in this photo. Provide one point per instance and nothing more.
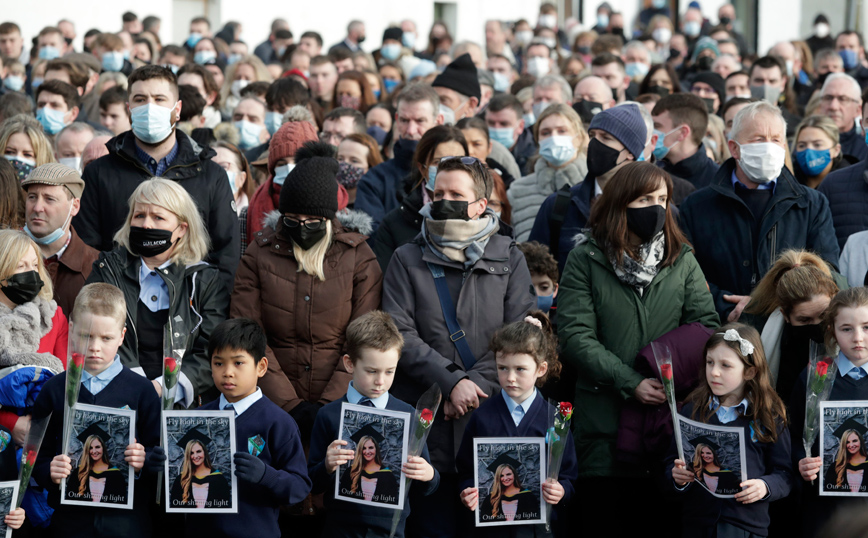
(715, 81)
(311, 187)
(460, 76)
(393, 33)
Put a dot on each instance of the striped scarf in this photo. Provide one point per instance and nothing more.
(457, 240)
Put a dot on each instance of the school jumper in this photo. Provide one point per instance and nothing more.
(769, 462)
(348, 519)
(127, 390)
(285, 481)
(493, 419)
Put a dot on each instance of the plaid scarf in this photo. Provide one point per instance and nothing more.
(457, 240)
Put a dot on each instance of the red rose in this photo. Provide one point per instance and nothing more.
(78, 360)
(426, 416)
(822, 367)
(31, 458)
(565, 409)
(171, 365)
(666, 371)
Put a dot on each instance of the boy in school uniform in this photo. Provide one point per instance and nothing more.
(269, 463)
(373, 348)
(106, 382)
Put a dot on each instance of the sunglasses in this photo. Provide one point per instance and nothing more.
(310, 224)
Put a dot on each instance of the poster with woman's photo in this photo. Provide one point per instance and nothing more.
(199, 474)
(8, 495)
(509, 475)
(100, 475)
(379, 439)
(842, 445)
(715, 455)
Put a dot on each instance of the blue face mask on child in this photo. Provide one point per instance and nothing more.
(545, 302)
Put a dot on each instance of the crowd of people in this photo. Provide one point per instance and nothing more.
(512, 221)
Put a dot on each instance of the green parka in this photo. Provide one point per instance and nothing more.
(602, 325)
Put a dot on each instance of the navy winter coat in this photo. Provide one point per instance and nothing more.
(379, 191)
(847, 192)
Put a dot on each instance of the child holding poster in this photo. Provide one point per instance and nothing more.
(737, 392)
(373, 348)
(525, 354)
(105, 382)
(845, 320)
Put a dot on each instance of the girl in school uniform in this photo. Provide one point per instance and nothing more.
(525, 354)
(737, 392)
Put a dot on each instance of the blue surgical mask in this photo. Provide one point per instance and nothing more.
(231, 175)
(51, 120)
(390, 84)
(53, 236)
(529, 119)
(661, 150)
(432, 175)
(409, 40)
(850, 58)
(113, 61)
(692, 28)
(204, 56)
(557, 150)
(280, 52)
(376, 94)
(49, 53)
(171, 67)
(602, 20)
(249, 134)
(390, 51)
(232, 58)
(152, 123)
(281, 172)
(501, 83)
(13, 83)
(813, 161)
(194, 38)
(504, 135)
(545, 302)
(35, 83)
(539, 107)
(273, 121)
(636, 69)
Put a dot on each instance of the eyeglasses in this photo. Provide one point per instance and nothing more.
(331, 138)
(310, 224)
(469, 161)
(844, 100)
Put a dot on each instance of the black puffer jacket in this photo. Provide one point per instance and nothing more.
(113, 178)
(198, 302)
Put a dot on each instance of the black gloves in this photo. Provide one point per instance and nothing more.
(248, 467)
(155, 459)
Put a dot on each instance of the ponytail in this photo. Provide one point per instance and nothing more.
(533, 336)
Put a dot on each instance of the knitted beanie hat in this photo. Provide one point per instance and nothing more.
(625, 123)
(311, 188)
(460, 76)
(286, 141)
(393, 32)
(715, 81)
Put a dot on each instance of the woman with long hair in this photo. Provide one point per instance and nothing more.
(199, 485)
(367, 477)
(352, 90)
(97, 480)
(631, 279)
(507, 501)
(24, 144)
(709, 471)
(851, 460)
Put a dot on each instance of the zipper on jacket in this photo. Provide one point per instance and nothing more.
(132, 322)
(773, 234)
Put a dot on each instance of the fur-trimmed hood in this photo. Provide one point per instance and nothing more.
(351, 219)
(22, 329)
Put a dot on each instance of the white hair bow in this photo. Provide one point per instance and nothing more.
(731, 335)
(533, 321)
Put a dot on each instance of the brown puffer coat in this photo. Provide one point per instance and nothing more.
(304, 318)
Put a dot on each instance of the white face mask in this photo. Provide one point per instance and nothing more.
(538, 66)
(662, 35)
(761, 162)
(237, 86)
(72, 162)
(821, 30)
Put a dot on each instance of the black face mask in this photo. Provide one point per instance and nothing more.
(587, 110)
(662, 91)
(361, 40)
(449, 210)
(709, 104)
(725, 21)
(646, 222)
(68, 40)
(821, 79)
(22, 288)
(704, 63)
(584, 49)
(601, 158)
(149, 242)
(802, 334)
(617, 30)
(304, 238)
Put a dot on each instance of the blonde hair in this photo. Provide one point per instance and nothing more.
(100, 299)
(258, 66)
(30, 126)
(311, 260)
(572, 118)
(795, 277)
(849, 298)
(823, 123)
(698, 464)
(190, 249)
(85, 466)
(497, 487)
(117, 77)
(13, 247)
(358, 462)
(187, 468)
(842, 458)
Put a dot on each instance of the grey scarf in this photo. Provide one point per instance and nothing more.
(457, 240)
(639, 273)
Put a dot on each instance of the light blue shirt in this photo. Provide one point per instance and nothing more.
(354, 397)
(845, 367)
(511, 405)
(727, 414)
(760, 186)
(243, 404)
(153, 292)
(95, 383)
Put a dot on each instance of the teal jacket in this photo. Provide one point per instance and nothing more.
(602, 326)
